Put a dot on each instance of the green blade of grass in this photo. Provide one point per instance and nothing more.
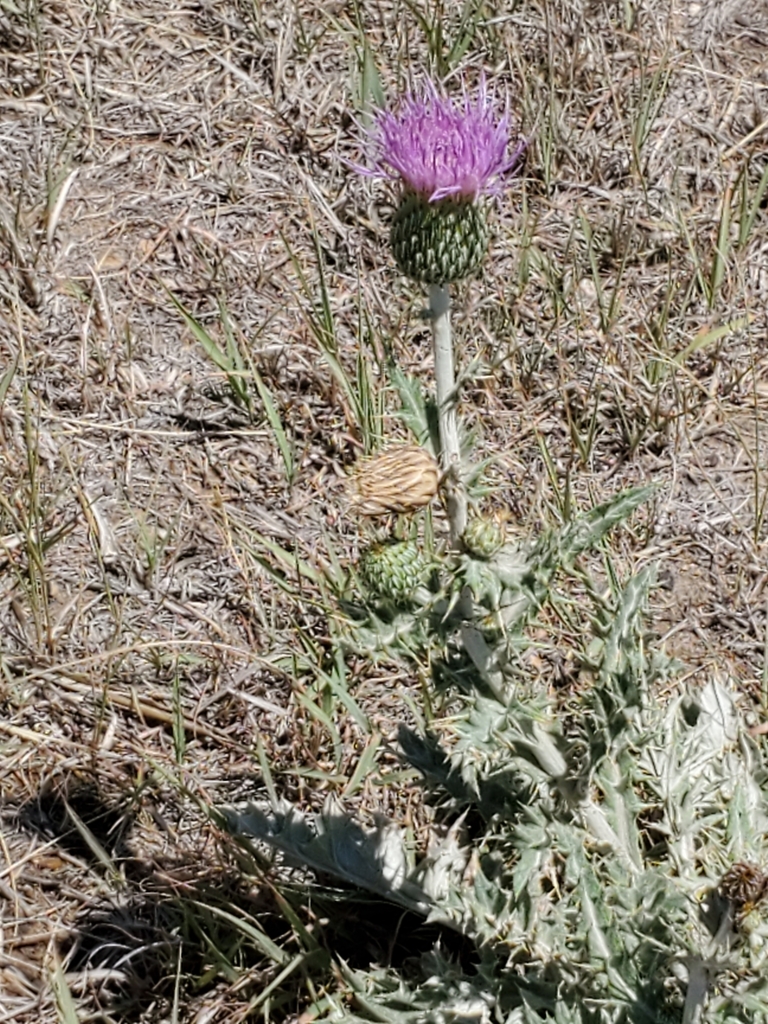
(273, 418)
(266, 773)
(700, 276)
(320, 320)
(586, 227)
(219, 357)
(250, 929)
(469, 23)
(562, 495)
(211, 348)
(300, 960)
(290, 561)
(92, 843)
(652, 102)
(342, 694)
(324, 719)
(709, 337)
(7, 379)
(750, 210)
(722, 246)
(364, 766)
(236, 379)
(65, 1004)
(369, 92)
(179, 724)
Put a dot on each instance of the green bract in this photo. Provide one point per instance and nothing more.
(483, 537)
(440, 242)
(392, 570)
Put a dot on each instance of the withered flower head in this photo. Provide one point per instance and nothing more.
(744, 885)
(402, 478)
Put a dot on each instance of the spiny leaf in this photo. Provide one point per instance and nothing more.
(588, 530)
(332, 842)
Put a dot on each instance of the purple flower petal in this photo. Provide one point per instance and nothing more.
(439, 147)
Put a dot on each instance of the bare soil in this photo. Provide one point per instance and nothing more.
(196, 151)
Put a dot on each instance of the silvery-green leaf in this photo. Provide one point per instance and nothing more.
(332, 842)
(588, 530)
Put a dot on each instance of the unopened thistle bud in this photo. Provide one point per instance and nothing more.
(392, 570)
(484, 536)
(402, 478)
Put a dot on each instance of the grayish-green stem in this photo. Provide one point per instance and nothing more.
(701, 969)
(445, 386)
(696, 996)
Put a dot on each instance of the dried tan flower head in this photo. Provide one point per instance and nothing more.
(745, 885)
(402, 478)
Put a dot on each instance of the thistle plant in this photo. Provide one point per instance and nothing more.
(600, 846)
(449, 157)
(614, 871)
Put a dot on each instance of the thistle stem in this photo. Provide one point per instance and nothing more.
(445, 386)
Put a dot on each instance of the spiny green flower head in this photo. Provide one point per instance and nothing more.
(449, 155)
(483, 536)
(393, 569)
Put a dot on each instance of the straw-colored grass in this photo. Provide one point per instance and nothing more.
(174, 172)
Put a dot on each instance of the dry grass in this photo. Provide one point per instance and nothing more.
(153, 627)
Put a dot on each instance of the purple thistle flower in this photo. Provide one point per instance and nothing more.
(441, 148)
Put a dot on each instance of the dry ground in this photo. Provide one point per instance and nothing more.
(150, 631)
